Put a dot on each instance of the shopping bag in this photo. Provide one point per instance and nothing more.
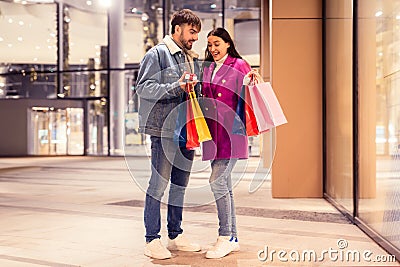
(179, 136)
(201, 125)
(245, 120)
(192, 138)
(239, 121)
(251, 121)
(266, 107)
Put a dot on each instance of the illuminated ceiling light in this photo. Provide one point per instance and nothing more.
(380, 54)
(212, 6)
(89, 3)
(21, 23)
(398, 17)
(220, 14)
(24, 2)
(1, 39)
(35, 59)
(10, 45)
(97, 46)
(37, 47)
(105, 3)
(134, 10)
(19, 38)
(40, 108)
(125, 55)
(10, 20)
(378, 14)
(49, 46)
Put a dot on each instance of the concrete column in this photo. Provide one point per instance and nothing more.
(297, 81)
(117, 84)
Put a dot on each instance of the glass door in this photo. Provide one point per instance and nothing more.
(55, 131)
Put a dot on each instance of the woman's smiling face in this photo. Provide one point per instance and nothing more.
(217, 47)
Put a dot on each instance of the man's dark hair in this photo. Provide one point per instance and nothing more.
(183, 16)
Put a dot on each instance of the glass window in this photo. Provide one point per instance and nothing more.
(85, 37)
(242, 19)
(379, 94)
(28, 50)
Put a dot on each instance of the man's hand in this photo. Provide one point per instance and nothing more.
(183, 82)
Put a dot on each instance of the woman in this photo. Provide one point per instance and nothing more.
(222, 82)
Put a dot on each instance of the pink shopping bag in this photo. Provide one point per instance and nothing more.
(267, 109)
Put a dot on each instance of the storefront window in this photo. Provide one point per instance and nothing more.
(379, 134)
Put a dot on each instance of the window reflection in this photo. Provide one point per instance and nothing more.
(380, 93)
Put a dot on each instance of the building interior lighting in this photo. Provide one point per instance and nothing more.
(378, 13)
(105, 3)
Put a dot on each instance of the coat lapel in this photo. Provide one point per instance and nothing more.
(223, 73)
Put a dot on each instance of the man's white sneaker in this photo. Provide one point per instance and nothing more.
(156, 250)
(183, 244)
(222, 248)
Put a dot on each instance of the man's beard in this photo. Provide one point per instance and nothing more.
(185, 44)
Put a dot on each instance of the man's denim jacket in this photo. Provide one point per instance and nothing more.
(159, 92)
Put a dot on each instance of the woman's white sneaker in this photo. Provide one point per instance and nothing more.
(222, 248)
(156, 250)
(235, 243)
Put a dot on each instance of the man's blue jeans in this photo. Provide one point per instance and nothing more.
(169, 162)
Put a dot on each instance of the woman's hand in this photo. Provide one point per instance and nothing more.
(252, 76)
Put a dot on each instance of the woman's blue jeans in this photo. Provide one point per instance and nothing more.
(221, 186)
(169, 162)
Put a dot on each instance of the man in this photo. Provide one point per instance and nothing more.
(161, 90)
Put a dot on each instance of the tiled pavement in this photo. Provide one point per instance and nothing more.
(88, 211)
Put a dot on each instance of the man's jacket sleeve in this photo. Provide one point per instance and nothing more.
(151, 84)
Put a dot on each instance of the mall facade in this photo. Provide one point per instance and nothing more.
(67, 87)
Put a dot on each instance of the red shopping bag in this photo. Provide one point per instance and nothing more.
(266, 107)
(250, 118)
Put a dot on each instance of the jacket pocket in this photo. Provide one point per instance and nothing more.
(169, 75)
